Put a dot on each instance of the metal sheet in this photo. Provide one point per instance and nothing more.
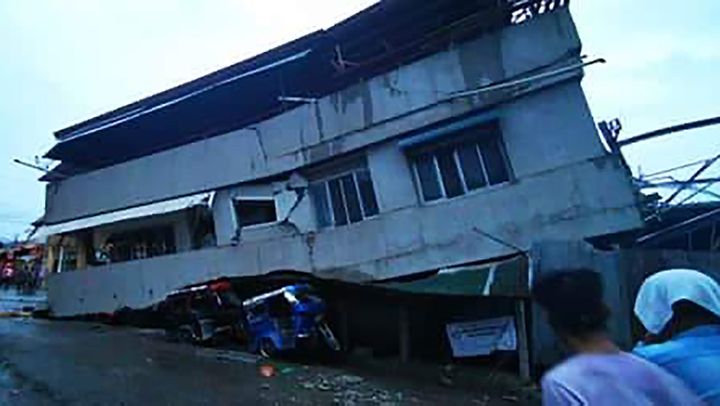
(153, 209)
(509, 278)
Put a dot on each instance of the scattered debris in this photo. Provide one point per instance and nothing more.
(267, 370)
(510, 398)
(350, 379)
(308, 385)
(483, 401)
(287, 370)
(228, 356)
(352, 390)
(446, 375)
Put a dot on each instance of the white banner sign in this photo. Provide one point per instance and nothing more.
(482, 337)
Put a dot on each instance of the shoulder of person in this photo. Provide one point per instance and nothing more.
(564, 371)
(659, 353)
(557, 389)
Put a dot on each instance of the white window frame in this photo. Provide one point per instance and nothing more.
(433, 152)
(325, 181)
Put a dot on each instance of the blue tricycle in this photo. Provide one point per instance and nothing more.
(286, 318)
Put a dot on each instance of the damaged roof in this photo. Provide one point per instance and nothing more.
(378, 39)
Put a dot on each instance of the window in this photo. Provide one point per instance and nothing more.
(344, 199)
(139, 244)
(252, 212)
(475, 160)
(68, 259)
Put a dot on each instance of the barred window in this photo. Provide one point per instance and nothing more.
(474, 160)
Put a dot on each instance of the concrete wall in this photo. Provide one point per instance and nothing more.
(403, 241)
(623, 272)
(407, 98)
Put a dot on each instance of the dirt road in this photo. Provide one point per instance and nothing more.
(72, 363)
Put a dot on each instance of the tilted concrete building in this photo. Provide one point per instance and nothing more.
(407, 138)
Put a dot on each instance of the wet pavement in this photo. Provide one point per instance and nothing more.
(45, 362)
(13, 300)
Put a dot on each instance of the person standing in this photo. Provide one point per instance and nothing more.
(598, 373)
(680, 309)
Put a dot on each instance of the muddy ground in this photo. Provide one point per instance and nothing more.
(46, 362)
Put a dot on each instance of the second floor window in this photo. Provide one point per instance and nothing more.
(250, 212)
(345, 198)
(473, 160)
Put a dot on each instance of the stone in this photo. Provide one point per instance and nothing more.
(350, 379)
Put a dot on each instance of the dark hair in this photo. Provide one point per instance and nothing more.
(573, 301)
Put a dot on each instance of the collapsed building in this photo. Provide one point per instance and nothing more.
(407, 139)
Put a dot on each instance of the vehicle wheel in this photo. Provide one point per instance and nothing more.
(185, 334)
(267, 348)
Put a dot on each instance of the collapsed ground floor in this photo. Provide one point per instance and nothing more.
(406, 318)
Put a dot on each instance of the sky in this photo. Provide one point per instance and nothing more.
(64, 61)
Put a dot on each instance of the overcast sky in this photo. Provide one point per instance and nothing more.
(63, 61)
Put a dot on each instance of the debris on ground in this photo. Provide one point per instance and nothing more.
(267, 370)
(228, 355)
(483, 401)
(446, 376)
(351, 390)
(287, 370)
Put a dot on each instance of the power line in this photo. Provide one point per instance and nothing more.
(691, 125)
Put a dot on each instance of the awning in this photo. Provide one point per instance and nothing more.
(439, 132)
(152, 209)
(509, 277)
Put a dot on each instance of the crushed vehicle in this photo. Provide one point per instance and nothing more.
(203, 314)
(287, 318)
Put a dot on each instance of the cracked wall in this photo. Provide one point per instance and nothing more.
(369, 112)
(565, 185)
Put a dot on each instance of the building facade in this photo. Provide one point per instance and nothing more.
(468, 139)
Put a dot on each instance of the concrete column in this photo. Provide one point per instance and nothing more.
(50, 257)
(81, 253)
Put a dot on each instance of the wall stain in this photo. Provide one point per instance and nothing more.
(319, 120)
(260, 142)
(367, 104)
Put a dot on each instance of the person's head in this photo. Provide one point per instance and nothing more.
(573, 302)
(675, 300)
